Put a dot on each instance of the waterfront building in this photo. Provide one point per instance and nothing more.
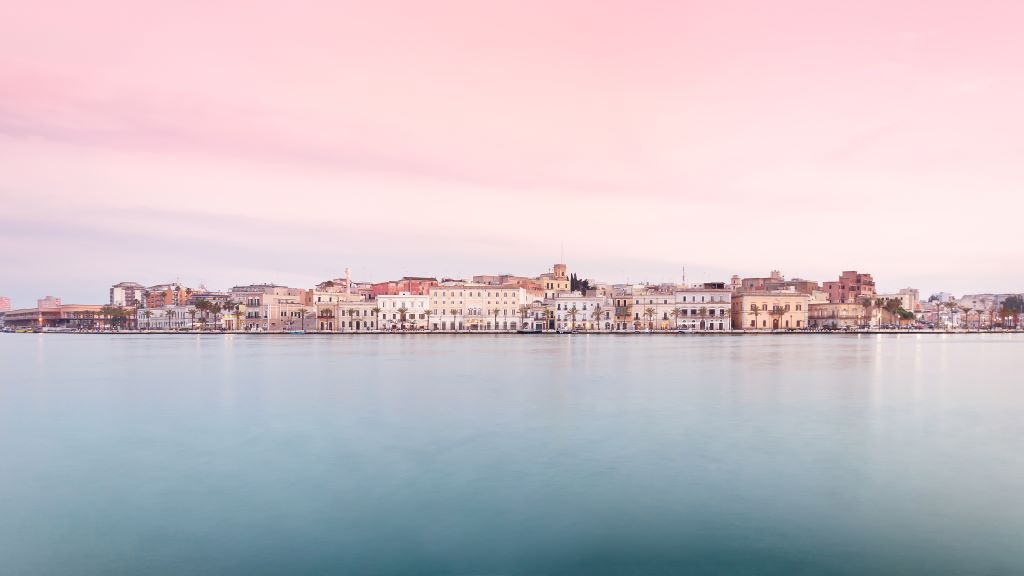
(273, 308)
(670, 307)
(850, 288)
(348, 316)
(779, 310)
(127, 294)
(623, 303)
(57, 315)
(576, 311)
(653, 308)
(186, 317)
(464, 306)
(402, 311)
(334, 308)
(836, 315)
(708, 307)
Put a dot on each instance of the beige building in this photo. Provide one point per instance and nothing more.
(461, 306)
(271, 308)
(347, 316)
(335, 311)
(555, 282)
(832, 315)
(780, 310)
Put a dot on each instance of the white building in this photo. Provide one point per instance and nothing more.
(127, 295)
(168, 318)
(668, 308)
(703, 309)
(402, 311)
(574, 311)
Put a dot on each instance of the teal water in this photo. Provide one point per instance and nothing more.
(560, 455)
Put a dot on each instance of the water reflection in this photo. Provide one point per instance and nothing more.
(841, 454)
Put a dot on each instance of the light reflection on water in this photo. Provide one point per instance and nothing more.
(478, 454)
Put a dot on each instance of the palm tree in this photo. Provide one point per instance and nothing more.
(650, 313)
(596, 315)
(402, 313)
(676, 314)
(967, 316)
(868, 303)
(756, 311)
(192, 312)
(427, 313)
(147, 315)
(573, 312)
(302, 318)
(703, 313)
(376, 317)
(523, 311)
(892, 306)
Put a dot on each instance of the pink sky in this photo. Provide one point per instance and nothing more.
(237, 142)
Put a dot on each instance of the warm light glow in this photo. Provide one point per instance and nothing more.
(237, 142)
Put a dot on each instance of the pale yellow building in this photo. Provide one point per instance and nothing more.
(461, 306)
(781, 310)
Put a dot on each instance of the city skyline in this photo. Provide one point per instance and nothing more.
(456, 138)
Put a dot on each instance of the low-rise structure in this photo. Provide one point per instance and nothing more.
(169, 318)
(69, 316)
(272, 308)
(708, 307)
(402, 311)
(779, 310)
(575, 311)
(836, 315)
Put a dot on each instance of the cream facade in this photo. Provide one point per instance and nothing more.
(459, 306)
(333, 308)
(770, 311)
(270, 308)
(347, 316)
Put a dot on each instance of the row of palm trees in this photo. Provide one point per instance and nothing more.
(892, 306)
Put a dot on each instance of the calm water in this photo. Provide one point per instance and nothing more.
(511, 455)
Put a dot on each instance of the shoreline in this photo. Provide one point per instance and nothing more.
(507, 333)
